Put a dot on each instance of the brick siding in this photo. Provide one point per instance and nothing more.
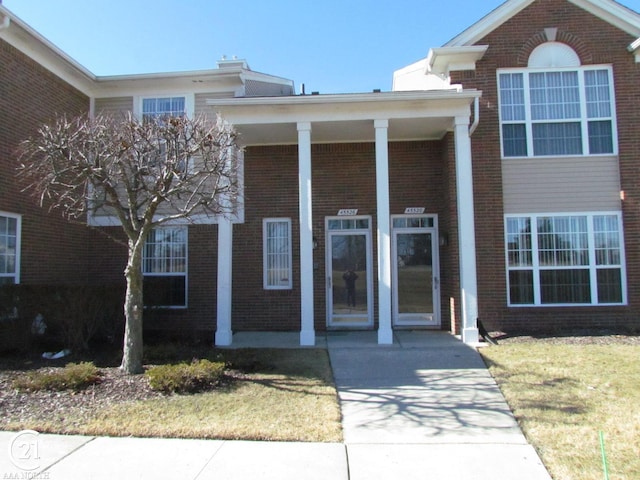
(53, 250)
(596, 42)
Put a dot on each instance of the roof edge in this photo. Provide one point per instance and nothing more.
(44, 52)
(608, 10)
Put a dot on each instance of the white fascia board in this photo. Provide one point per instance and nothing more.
(21, 36)
(488, 23)
(210, 81)
(335, 108)
(444, 60)
(612, 12)
(343, 98)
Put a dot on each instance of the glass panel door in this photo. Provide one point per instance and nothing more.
(349, 279)
(416, 283)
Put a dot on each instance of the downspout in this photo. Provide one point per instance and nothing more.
(476, 115)
(6, 21)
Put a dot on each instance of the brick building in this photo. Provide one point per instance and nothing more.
(497, 181)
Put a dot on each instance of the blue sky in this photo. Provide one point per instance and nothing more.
(332, 46)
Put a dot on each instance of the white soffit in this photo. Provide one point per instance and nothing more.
(450, 59)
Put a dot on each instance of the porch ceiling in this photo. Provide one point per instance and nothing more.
(344, 131)
(345, 118)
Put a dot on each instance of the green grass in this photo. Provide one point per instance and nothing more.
(564, 395)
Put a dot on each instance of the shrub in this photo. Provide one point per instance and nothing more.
(191, 377)
(74, 376)
(74, 315)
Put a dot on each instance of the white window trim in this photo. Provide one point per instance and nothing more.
(584, 120)
(184, 274)
(18, 218)
(535, 267)
(189, 102)
(265, 277)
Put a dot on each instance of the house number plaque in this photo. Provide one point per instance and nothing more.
(344, 212)
(413, 210)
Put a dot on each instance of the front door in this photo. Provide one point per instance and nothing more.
(416, 289)
(349, 275)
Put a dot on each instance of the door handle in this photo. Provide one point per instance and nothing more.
(436, 283)
(328, 282)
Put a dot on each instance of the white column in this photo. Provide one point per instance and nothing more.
(224, 335)
(466, 231)
(385, 334)
(307, 333)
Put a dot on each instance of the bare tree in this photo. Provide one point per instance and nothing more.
(143, 173)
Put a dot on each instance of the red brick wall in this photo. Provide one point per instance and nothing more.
(271, 190)
(343, 176)
(53, 251)
(596, 42)
(198, 320)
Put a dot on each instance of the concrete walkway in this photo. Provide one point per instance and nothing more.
(423, 408)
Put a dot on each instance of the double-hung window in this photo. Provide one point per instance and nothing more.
(159, 107)
(574, 259)
(9, 248)
(277, 253)
(569, 111)
(165, 267)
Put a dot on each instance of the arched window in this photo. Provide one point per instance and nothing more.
(556, 107)
(553, 55)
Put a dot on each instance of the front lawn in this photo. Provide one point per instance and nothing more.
(564, 394)
(285, 395)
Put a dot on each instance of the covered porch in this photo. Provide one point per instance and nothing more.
(377, 119)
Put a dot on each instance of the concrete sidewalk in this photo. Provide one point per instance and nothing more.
(423, 408)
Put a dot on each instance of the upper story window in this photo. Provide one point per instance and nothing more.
(9, 249)
(159, 107)
(556, 108)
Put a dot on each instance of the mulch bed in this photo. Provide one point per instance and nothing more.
(580, 338)
(113, 388)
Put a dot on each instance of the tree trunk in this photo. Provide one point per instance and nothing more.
(133, 310)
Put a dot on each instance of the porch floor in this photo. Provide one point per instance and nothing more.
(360, 339)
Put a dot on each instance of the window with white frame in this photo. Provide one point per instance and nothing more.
(574, 259)
(277, 253)
(566, 111)
(165, 267)
(9, 249)
(158, 107)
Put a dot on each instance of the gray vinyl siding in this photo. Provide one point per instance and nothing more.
(255, 88)
(114, 105)
(561, 184)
